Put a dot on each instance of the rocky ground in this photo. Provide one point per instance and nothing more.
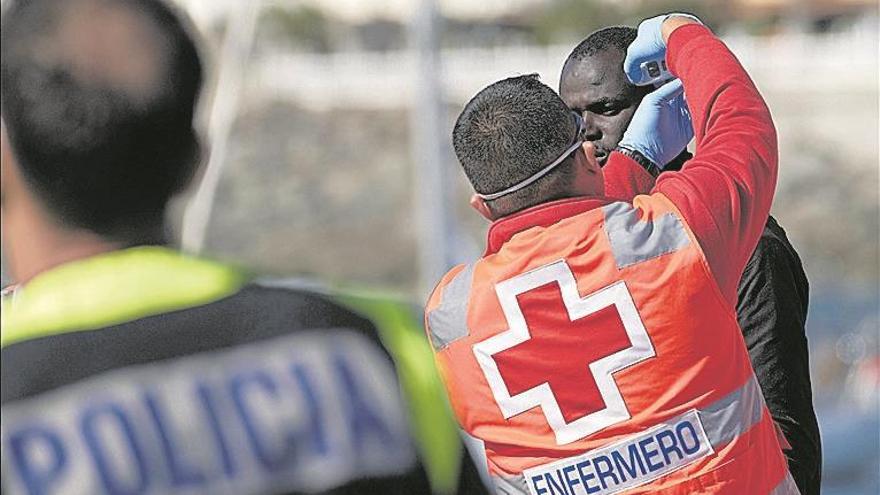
(329, 193)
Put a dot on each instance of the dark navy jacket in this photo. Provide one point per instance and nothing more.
(145, 371)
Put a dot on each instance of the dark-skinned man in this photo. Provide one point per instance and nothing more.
(773, 292)
(130, 368)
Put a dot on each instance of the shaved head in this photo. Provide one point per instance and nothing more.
(98, 98)
(508, 132)
(106, 43)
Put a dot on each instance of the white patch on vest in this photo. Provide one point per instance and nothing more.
(304, 412)
(448, 322)
(635, 461)
(634, 240)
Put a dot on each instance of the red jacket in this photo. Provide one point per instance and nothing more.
(595, 332)
(724, 200)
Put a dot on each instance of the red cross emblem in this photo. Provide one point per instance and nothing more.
(561, 350)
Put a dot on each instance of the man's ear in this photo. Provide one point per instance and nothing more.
(589, 179)
(6, 165)
(482, 208)
(590, 162)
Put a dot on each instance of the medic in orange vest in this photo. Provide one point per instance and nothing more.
(594, 348)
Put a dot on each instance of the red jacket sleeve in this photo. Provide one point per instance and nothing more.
(724, 193)
(624, 178)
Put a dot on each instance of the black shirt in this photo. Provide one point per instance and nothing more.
(772, 312)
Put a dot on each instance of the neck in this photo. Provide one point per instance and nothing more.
(42, 249)
(33, 242)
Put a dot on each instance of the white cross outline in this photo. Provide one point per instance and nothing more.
(602, 369)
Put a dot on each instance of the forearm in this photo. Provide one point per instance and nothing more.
(726, 190)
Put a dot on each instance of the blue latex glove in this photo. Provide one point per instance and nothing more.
(661, 127)
(647, 47)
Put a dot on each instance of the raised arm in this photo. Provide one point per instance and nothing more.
(724, 193)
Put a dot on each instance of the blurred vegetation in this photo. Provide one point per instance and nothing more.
(715, 13)
(310, 29)
(304, 27)
(564, 20)
(307, 28)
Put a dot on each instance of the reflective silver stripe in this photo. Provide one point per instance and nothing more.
(733, 414)
(722, 421)
(633, 241)
(510, 485)
(786, 486)
(294, 283)
(448, 322)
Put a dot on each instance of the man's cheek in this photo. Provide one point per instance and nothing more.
(620, 124)
(627, 115)
(616, 129)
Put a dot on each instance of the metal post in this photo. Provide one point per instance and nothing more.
(428, 131)
(233, 57)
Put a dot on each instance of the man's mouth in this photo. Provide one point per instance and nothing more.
(601, 157)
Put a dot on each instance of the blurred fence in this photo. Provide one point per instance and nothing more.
(383, 80)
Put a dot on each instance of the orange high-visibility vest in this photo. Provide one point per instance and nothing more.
(595, 354)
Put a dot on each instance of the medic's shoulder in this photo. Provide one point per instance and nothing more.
(656, 205)
(436, 293)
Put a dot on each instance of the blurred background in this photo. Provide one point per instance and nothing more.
(331, 158)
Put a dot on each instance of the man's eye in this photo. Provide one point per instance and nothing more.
(609, 111)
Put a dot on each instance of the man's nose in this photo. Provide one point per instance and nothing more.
(592, 132)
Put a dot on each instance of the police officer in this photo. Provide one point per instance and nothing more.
(129, 368)
(594, 347)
